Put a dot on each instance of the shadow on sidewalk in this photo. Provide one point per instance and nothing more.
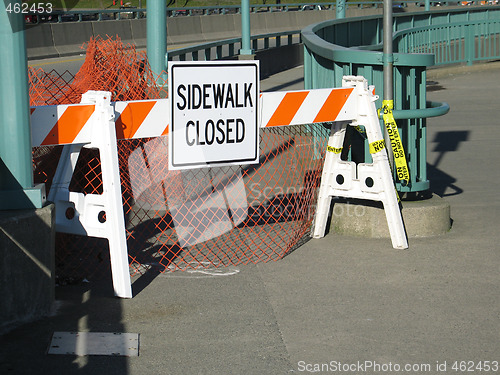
(445, 142)
(85, 307)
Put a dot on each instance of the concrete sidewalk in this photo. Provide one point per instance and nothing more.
(336, 305)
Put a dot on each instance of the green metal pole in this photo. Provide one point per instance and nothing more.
(388, 60)
(340, 9)
(16, 165)
(387, 50)
(469, 44)
(156, 35)
(427, 5)
(245, 28)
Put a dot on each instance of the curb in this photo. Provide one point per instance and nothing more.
(423, 218)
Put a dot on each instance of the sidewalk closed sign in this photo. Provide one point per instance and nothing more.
(213, 113)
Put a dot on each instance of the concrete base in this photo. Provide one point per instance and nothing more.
(246, 57)
(422, 218)
(27, 278)
(27, 198)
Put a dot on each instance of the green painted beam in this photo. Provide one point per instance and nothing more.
(156, 35)
(246, 49)
(340, 9)
(16, 165)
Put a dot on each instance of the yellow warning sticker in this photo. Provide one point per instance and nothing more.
(361, 131)
(403, 175)
(376, 146)
(335, 150)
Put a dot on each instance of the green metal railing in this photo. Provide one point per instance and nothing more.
(336, 48)
(227, 48)
(353, 47)
(464, 42)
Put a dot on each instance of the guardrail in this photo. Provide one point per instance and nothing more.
(276, 51)
(353, 47)
(216, 51)
(137, 13)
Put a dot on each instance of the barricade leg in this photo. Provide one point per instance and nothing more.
(324, 198)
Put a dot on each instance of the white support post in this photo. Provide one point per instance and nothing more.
(324, 198)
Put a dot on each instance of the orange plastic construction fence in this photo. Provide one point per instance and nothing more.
(177, 220)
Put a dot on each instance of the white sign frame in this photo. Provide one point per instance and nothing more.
(214, 113)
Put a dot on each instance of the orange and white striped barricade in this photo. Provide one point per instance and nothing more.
(92, 125)
(285, 108)
(351, 105)
(98, 123)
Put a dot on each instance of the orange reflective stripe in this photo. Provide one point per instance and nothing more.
(287, 108)
(165, 132)
(69, 125)
(132, 118)
(333, 105)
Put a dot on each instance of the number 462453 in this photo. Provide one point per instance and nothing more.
(471, 366)
(26, 8)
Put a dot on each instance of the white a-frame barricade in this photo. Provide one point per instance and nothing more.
(371, 181)
(95, 215)
(352, 105)
(94, 123)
